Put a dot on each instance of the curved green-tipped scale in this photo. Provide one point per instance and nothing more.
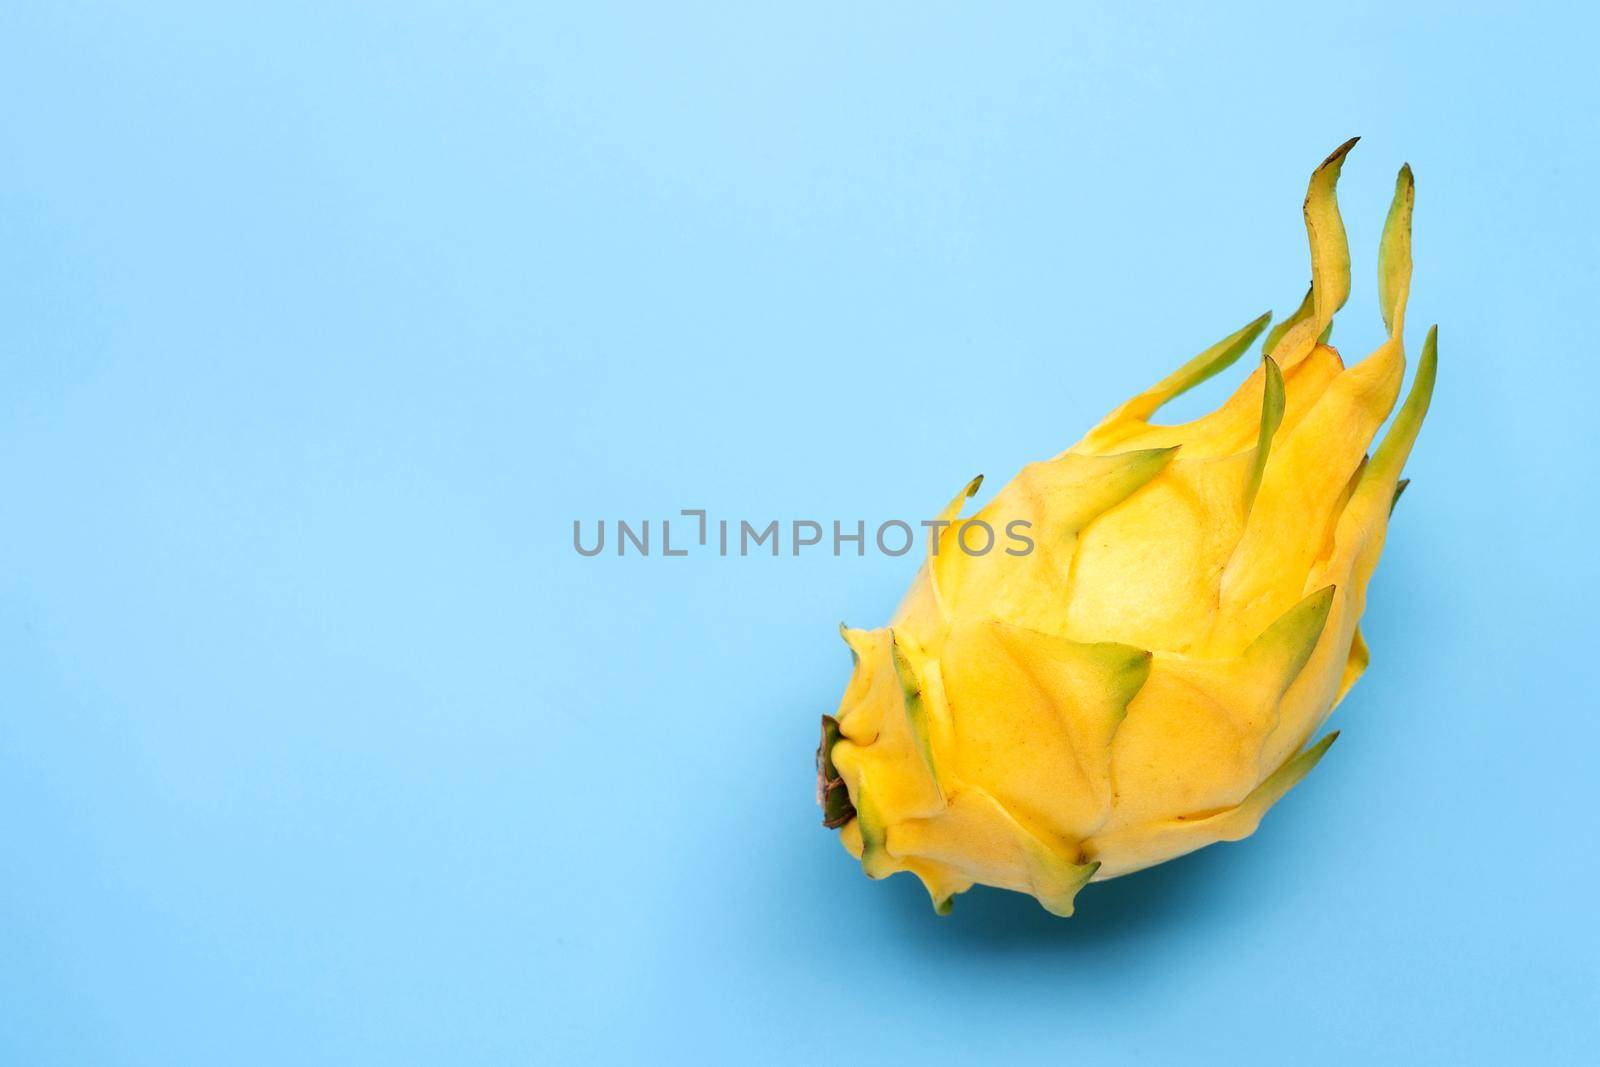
(1390, 457)
(1281, 652)
(1131, 415)
(1330, 263)
(875, 858)
(1035, 716)
(1272, 404)
(917, 711)
(1219, 357)
(1394, 254)
(940, 531)
(1330, 252)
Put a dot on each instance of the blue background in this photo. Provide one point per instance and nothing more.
(320, 323)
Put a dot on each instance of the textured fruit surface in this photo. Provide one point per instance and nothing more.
(1149, 678)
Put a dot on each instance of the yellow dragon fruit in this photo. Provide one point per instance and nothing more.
(1147, 679)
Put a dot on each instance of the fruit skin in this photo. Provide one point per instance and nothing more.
(1146, 681)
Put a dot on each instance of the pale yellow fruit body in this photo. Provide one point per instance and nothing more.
(1148, 679)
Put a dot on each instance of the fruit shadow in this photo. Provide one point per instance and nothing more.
(1144, 906)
